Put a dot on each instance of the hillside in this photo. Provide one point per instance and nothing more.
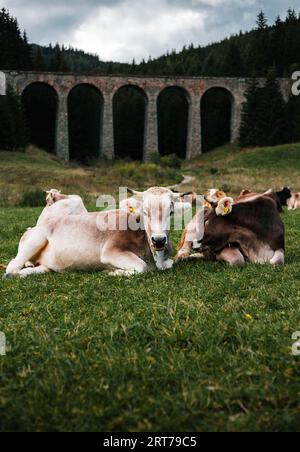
(228, 167)
(35, 169)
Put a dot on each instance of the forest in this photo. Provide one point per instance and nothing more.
(268, 50)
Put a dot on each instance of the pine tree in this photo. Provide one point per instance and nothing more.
(293, 120)
(17, 118)
(6, 126)
(39, 61)
(249, 127)
(14, 48)
(261, 52)
(13, 135)
(233, 65)
(271, 115)
(262, 21)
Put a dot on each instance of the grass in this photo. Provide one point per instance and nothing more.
(201, 347)
(21, 172)
(234, 169)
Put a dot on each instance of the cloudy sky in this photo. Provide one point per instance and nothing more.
(121, 30)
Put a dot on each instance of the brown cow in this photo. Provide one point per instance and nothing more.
(280, 197)
(253, 231)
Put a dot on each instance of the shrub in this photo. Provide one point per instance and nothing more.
(33, 197)
(172, 161)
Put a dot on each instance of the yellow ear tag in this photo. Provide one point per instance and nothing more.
(226, 210)
(131, 210)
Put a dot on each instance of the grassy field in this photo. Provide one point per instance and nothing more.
(201, 347)
(36, 169)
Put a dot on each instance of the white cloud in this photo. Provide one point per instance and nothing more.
(137, 29)
(126, 29)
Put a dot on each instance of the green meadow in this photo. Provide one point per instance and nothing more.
(202, 347)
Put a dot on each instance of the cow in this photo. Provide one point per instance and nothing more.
(57, 205)
(235, 233)
(294, 201)
(106, 240)
(280, 197)
(131, 206)
(214, 195)
(211, 197)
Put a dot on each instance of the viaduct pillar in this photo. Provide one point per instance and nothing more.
(62, 129)
(194, 139)
(151, 129)
(107, 145)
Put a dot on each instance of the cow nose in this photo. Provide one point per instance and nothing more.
(159, 240)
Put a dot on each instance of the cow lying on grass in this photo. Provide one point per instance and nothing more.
(57, 205)
(61, 205)
(250, 230)
(280, 197)
(294, 201)
(93, 241)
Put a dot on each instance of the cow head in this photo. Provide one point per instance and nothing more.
(293, 201)
(158, 205)
(214, 195)
(52, 197)
(284, 195)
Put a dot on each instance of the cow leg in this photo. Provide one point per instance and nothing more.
(40, 270)
(126, 263)
(192, 235)
(278, 258)
(231, 256)
(28, 248)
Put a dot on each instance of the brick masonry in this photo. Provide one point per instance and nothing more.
(194, 87)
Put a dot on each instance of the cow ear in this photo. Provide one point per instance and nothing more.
(137, 194)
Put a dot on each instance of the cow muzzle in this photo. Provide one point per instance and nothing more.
(159, 242)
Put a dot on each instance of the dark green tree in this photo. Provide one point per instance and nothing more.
(271, 114)
(13, 134)
(233, 64)
(14, 49)
(249, 130)
(293, 120)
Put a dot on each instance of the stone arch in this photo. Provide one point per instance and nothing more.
(40, 102)
(130, 103)
(173, 110)
(217, 114)
(85, 117)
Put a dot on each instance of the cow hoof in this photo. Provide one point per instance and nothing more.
(182, 256)
(7, 276)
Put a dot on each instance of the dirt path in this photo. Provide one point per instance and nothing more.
(185, 181)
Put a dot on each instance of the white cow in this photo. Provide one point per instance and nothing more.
(93, 241)
(58, 205)
(61, 205)
(132, 206)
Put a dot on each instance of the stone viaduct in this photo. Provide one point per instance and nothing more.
(194, 88)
